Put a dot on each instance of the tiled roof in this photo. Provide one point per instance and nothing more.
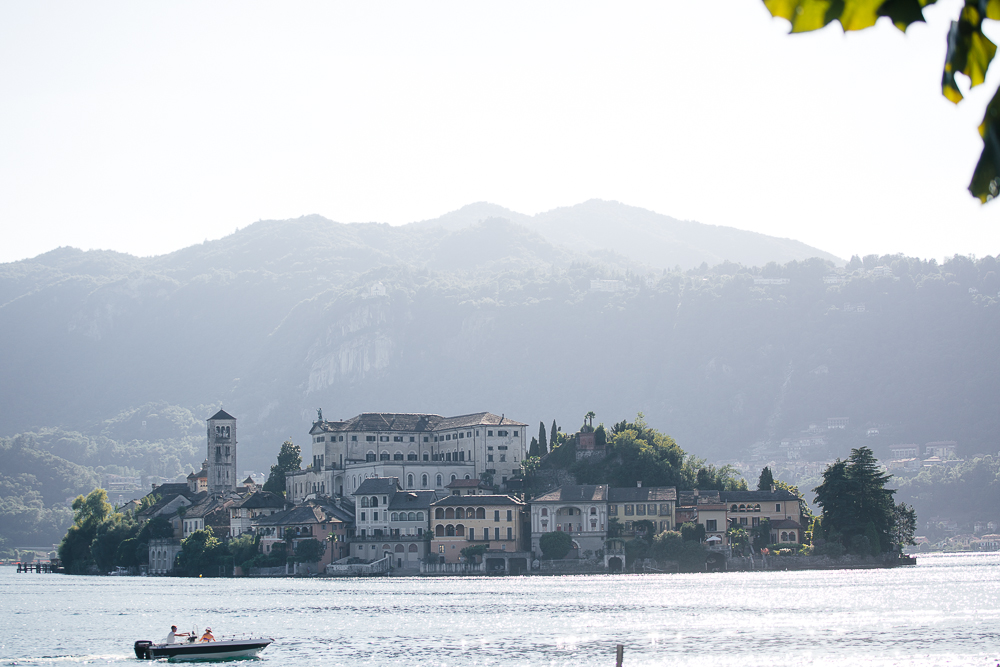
(704, 497)
(410, 500)
(297, 516)
(465, 484)
(205, 507)
(575, 493)
(476, 500)
(642, 494)
(222, 414)
(786, 524)
(757, 496)
(411, 422)
(261, 499)
(376, 485)
(167, 493)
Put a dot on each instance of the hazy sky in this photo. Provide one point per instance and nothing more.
(146, 127)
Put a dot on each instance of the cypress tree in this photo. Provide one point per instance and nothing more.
(543, 446)
(766, 480)
(533, 449)
(555, 433)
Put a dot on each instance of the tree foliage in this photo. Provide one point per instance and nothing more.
(289, 460)
(555, 545)
(856, 503)
(202, 554)
(766, 480)
(543, 443)
(970, 52)
(670, 545)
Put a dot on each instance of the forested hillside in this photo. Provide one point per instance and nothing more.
(282, 318)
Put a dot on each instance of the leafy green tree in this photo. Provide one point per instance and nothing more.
(693, 532)
(873, 539)
(589, 418)
(766, 480)
(853, 495)
(761, 535)
(201, 554)
(615, 527)
(244, 549)
(555, 545)
(543, 445)
(309, 551)
(289, 460)
(969, 52)
(554, 436)
(89, 513)
(600, 437)
(904, 525)
(471, 552)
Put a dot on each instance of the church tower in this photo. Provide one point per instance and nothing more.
(221, 453)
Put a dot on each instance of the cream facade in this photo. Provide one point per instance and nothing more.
(461, 521)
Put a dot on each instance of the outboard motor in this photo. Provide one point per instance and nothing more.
(142, 650)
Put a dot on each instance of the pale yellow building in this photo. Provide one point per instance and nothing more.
(461, 521)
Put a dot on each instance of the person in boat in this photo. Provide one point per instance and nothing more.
(208, 636)
(172, 637)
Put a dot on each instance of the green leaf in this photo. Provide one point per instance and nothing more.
(804, 15)
(969, 50)
(902, 13)
(807, 15)
(986, 178)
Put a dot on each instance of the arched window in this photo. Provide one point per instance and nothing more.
(480, 512)
(374, 501)
(413, 549)
(439, 531)
(449, 530)
(733, 508)
(439, 513)
(412, 516)
(409, 481)
(460, 513)
(369, 457)
(423, 481)
(398, 456)
(792, 537)
(460, 530)
(399, 548)
(545, 511)
(395, 517)
(439, 481)
(470, 513)
(364, 501)
(449, 513)
(454, 477)
(784, 537)
(386, 547)
(756, 508)
(420, 516)
(384, 456)
(593, 511)
(743, 508)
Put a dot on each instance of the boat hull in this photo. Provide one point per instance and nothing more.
(197, 651)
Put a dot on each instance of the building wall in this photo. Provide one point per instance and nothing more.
(221, 455)
(507, 519)
(584, 521)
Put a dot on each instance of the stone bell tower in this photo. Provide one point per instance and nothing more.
(221, 453)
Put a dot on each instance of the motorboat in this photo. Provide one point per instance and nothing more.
(225, 649)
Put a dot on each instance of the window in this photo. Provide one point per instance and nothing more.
(743, 521)
(383, 438)
(412, 439)
(342, 438)
(440, 548)
(510, 533)
(426, 438)
(490, 433)
(409, 481)
(374, 501)
(711, 525)
(384, 456)
(398, 456)
(613, 510)
(777, 507)
(629, 510)
(756, 521)
(510, 515)
(423, 480)
(397, 438)
(503, 458)
(354, 438)
(515, 434)
(420, 516)
(496, 533)
(489, 458)
(502, 448)
(640, 510)
(545, 511)
(438, 480)
(411, 457)
(364, 501)
(468, 434)
(496, 517)
(426, 458)
(461, 435)
(363, 517)
(448, 437)
(395, 516)
(370, 438)
(453, 477)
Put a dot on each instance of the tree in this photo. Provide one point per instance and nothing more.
(761, 535)
(589, 418)
(671, 546)
(766, 480)
(853, 495)
(201, 554)
(309, 551)
(533, 449)
(969, 52)
(543, 445)
(289, 460)
(693, 532)
(75, 548)
(553, 437)
(904, 524)
(555, 545)
(470, 553)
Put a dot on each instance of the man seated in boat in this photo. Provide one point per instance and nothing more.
(208, 636)
(172, 637)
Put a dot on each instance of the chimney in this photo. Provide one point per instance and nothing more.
(638, 484)
(773, 488)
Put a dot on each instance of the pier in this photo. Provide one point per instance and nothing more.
(38, 567)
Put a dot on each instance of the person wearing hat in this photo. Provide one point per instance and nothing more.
(172, 637)
(208, 636)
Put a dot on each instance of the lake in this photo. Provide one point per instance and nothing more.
(943, 611)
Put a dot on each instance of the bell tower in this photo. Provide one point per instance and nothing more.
(221, 465)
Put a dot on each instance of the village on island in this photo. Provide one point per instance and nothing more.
(408, 494)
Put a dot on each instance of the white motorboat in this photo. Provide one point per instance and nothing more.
(226, 649)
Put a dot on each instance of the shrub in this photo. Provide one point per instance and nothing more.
(831, 549)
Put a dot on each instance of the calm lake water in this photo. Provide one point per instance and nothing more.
(944, 611)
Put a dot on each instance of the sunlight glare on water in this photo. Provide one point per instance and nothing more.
(944, 611)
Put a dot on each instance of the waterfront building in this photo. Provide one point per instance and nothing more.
(495, 521)
(243, 512)
(423, 451)
(658, 504)
(579, 510)
(391, 522)
(325, 522)
(749, 508)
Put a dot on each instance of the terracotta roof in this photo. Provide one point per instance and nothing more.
(222, 414)
(642, 494)
(476, 500)
(296, 516)
(261, 499)
(575, 493)
(410, 500)
(786, 524)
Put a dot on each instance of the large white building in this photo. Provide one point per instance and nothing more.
(422, 451)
